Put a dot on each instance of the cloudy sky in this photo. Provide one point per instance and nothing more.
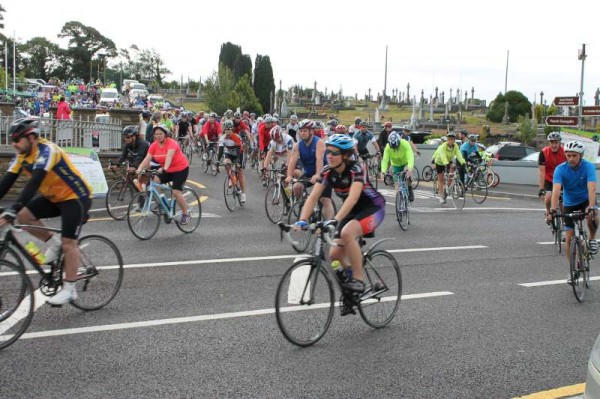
(445, 44)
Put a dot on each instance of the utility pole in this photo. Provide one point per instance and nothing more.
(506, 73)
(582, 56)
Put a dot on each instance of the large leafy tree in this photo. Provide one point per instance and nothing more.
(243, 96)
(518, 105)
(2, 11)
(242, 66)
(86, 45)
(40, 58)
(228, 55)
(264, 83)
(218, 88)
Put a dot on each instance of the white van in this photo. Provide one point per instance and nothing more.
(109, 96)
(127, 82)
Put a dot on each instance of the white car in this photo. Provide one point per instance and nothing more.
(138, 89)
(109, 96)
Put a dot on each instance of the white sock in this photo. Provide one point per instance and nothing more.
(68, 286)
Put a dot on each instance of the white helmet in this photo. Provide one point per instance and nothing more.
(574, 146)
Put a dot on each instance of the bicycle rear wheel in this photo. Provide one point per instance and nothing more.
(194, 210)
(275, 203)
(457, 192)
(100, 274)
(301, 238)
(230, 194)
(402, 210)
(118, 198)
(579, 270)
(189, 151)
(383, 289)
(143, 215)
(427, 173)
(16, 303)
(479, 189)
(373, 172)
(304, 303)
(213, 162)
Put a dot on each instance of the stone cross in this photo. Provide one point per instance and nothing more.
(472, 93)
(443, 97)
(369, 94)
(466, 96)
(408, 91)
(597, 97)
(450, 98)
(436, 92)
(422, 101)
(541, 97)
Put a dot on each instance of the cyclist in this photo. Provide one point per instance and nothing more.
(406, 136)
(210, 134)
(471, 153)
(280, 147)
(443, 158)
(174, 166)
(577, 180)
(134, 150)
(231, 145)
(356, 127)
(341, 129)
(362, 211)
(399, 154)
(183, 129)
(550, 157)
(319, 130)
(310, 151)
(331, 125)
(64, 192)
(264, 133)
(382, 140)
(362, 138)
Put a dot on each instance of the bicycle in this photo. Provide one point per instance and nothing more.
(99, 278)
(305, 296)
(120, 193)
(455, 189)
(211, 158)
(185, 143)
(278, 201)
(232, 189)
(557, 227)
(476, 182)
(147, 207)
(372, 167)
(402, 202)
(579, 262)
(427, 173)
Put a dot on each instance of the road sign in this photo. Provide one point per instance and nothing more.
(590, 111)
(561, 120)
(565, 101)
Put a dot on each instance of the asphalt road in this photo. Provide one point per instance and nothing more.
(194, 317)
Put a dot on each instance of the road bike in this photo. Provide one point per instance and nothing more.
(579, 262)
(278, 198)
(402, 201)
(187, 147)
(232, 188)
(210, 158)
(476, 182)
(372, 165)
(99, 277)
(120, 193)
(453, 188)
(305, 297)
(427, 173)
(148, 207)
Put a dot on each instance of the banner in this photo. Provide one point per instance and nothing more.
(87, 162)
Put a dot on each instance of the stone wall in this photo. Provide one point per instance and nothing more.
(6, 157)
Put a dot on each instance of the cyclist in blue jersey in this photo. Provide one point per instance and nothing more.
(364, 137)
(577, 180)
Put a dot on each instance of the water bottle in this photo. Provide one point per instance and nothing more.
(137, 185)
(35, 252)
(335, 265)
(164, 201)
(288, 191)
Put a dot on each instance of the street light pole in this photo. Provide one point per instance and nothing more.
(582, 56)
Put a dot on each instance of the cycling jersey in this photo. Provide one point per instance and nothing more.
(362, 139)
(183, 127)
(574, 181)
(444, 154)
(551, 160)
(134, 154)
(282, 148)
(341, 182)
(467, 149)
(62, 182)
(240, 127)
(403, 155)
(159, 153)
(292, 129)
(211, 131)
(308, 156)
(232, 144)
(264, 135)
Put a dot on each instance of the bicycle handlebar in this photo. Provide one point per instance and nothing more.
(325, 232)
(576, 214)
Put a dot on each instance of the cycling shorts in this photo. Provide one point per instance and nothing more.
(178, 178)
(369, 218)
(73, 213)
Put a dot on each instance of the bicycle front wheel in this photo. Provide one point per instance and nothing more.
(194, 207)
(383, 289)
(579, 270)
(479, 188)
(143, 215)
(189, 152)
(100, 273)
(558, 233)
(457, 192)
(16, 303)
(118, 198)
(402, 210)
(427, 173)
(416, 178)
(301, 239)
(304, 303)
(275, 204)
(230, 193)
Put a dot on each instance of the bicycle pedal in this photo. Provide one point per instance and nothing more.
(55, 306)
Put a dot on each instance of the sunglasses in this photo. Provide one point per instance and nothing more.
(333, 152)
(229, 130)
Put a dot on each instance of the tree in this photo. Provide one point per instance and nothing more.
(526, 129)
(40, 58)
(2, 10)
(242, 66)
(228, 55)
(218, 88)
(518, 105)
(264, 83)
(85, 46)
(243, 96)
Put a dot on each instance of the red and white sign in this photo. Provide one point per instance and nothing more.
(561, 120)
(566, 101)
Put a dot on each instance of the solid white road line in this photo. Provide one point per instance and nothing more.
(191, 319)
(552, 282)
(545, 242)
(22, 311)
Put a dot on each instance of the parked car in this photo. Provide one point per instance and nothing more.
(533, 157)
(417, 137)
(592, 380)
(109, 96)
(510, 151)
(127, 82)
(138, 90)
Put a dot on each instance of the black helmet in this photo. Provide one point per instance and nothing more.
(23, 127)
(146, 113)
(130, 130)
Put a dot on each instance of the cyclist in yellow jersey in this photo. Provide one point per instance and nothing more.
(443, 157)
(64, 192)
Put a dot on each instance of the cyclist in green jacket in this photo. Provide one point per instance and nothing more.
(400, 154)
(443, 157)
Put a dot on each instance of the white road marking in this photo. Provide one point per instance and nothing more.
(545, 243)
(22, 312)
(192, 319)
(552, 282)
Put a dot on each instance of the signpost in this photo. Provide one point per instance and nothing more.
(590, 111)
(566, 101)
(561, 120)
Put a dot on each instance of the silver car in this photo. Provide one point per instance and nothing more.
(592, 381)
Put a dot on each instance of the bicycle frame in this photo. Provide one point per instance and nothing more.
(153, 188)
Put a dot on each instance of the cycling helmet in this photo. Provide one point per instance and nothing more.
(472, 137)
(275, 133)
(275, 120)
(318, 125)
(276, 116)
(451, 134)
(130, 130)
(574, 146)
(394, 140)
(212, 115)
(259, 119)
(340, 129)
(388, 124)
(444, 139)
(266, 115)
(269, 119)
(146, 114)
(554, 136)
(332, 123)
(341, 141)
(161, 127)
(23, 127)
(228, 113)
(246, 114)
(237, 115)
(362, 123)
(294, 117)
(252, 115)
(357, 121)
(228, 124)
(306, 124)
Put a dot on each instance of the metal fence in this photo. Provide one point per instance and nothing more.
(73, 133)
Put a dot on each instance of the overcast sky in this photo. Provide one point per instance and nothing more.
(445, 44)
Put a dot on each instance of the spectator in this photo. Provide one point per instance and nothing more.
(63, 110)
